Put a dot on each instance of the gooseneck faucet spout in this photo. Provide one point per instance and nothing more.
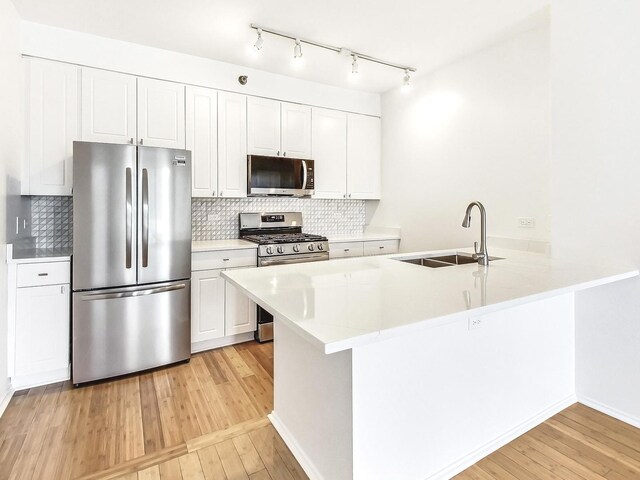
(480, 254)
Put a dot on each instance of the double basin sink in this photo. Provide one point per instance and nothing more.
(444, 260)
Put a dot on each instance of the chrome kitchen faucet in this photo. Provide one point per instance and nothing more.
(481, 255)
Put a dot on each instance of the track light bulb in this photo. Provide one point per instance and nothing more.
(259, 41)
(354, 65)
(297, 49)
(406, 81)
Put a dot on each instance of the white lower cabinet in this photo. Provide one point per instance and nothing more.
(40, 325)
(363, 248)
(220, 314)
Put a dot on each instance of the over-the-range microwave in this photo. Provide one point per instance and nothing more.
(279, 176)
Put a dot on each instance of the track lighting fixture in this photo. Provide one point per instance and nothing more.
(297, 49)
(259, 41)
(406, 81)
(355, 56)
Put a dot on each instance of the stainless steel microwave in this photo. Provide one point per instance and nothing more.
(279, 176)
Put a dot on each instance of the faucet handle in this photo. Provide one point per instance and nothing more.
(475, 248)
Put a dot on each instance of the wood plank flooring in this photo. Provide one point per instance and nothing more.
(577, 444)
(206, 420)
(62, 432)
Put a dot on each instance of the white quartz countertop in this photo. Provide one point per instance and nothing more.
(339, 304)
(213, 245)
(363, 237)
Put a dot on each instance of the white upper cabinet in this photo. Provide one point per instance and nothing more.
(232, 145)
(263, 126)
(52, 94)
(296, 130)
(108, 107)
(278, 129)
(202, 140)
(363, 157)
(161, 120)
(329, 143)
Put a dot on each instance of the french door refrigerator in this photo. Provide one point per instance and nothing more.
(131, 259)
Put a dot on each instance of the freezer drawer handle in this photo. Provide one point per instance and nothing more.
(129, 219)
(134, 293)
(43, 274)
(145, 217)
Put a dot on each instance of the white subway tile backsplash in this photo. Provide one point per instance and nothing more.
(212, 219)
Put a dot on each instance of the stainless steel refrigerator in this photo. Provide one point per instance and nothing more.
(131, 259)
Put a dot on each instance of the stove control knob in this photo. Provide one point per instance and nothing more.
(270, 250)
(296, 248)
(280, 249)
(320, 247)
(311, 247)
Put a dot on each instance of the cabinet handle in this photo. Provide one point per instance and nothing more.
(131, 140)
(284, 154)
(213, 194)
(278, 154)
(225, 259)
(62, 289)
(346, 249)
(380, 247)
(349, 195)
(142, 141)
(43, 274)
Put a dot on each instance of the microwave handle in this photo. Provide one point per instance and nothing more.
(304, 175)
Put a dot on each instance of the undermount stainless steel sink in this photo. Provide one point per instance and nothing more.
(444, 260)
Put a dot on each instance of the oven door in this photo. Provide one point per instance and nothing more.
(289, 259)
(264, 333)
(279, 176)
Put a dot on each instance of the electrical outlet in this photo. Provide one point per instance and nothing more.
(475, 322)
(526, 222)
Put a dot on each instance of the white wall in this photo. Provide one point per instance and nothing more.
(595, 190)
(478, 129)
(11, 143)
(91, 50)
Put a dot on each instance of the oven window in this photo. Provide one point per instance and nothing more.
(275, 172)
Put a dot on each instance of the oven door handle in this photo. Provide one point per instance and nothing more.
(304, 175)
(285, 261)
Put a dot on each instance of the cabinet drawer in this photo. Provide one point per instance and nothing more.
(345, 249)
(381, 247)
(36, 274)
(224, 259)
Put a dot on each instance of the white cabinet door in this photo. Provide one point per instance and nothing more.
(207, 305)
(263, 126)
(329, 144)
(232, 145)
(241, 313)
(296, 130)
(53, 92)
(161, 113)
(363, 157)
(202, 140)
(108, 106)
(42, 329)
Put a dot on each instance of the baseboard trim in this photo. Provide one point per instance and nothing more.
(612, 412)
(39, 379)
(205, 345)
(5, 400)
(295, 449)
(490, 447)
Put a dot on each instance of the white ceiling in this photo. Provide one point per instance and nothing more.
(421, 33)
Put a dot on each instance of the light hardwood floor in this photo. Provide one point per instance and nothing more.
(577, 444)
(62, 432)
(206, 420)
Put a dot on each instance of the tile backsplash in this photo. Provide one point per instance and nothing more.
(212, 218)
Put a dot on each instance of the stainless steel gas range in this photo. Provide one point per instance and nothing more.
(280, 241)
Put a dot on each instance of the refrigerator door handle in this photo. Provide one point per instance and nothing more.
(133, 293)
(129, 220)
(145, 217)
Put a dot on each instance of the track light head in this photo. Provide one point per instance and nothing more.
(259, 40)
(354, 64)
(406, 81)
(297, 49)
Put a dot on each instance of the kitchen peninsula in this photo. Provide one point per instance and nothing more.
(422, 371)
